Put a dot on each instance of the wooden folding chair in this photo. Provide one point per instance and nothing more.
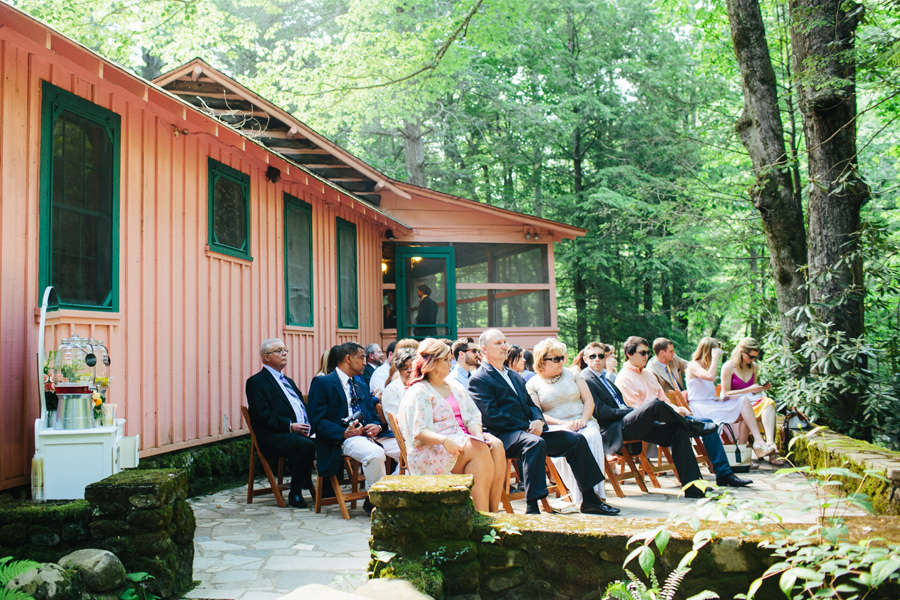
(276, 485)
(340, 498)
(556, 486)
(627, 470)
(699, 449)
(403, 467)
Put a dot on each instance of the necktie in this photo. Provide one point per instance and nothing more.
(354, 400)
(612, 391)
(672, 379)
(296, 402)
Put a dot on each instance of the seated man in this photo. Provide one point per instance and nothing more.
(639, 386)
(467, 358)
(335, 397)
(509, 413)
(279, 419)
(374, 359)
(655, 421)
(667, 366)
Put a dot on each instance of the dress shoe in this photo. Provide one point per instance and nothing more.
(599, 508)
(368, 506)
(701, 428)
(297, 501)
(694, 492)
(732, 480)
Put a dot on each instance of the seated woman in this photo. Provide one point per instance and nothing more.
(401, 363)
(739, 379)
(442, 428)
(515, 360)
(528, 373)
(564, 398)
(701, 392)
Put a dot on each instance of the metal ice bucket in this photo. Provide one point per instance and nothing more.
(75, 411)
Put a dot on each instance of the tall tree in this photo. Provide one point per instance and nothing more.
(761, 131)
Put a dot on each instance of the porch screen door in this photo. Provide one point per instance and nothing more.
(426, 293)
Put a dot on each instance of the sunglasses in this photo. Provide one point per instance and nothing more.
(751, 356)
(556, 359)
(643, 353)
(595, 356)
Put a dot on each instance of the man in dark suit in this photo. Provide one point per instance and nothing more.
(279, 419)
(509, 413)
(654, 421)
(335, 397)
(427, 312)
(374, 359)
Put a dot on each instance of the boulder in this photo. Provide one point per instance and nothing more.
(100, 569)
(49, 582)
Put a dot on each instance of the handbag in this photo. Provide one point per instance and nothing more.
(736, 461)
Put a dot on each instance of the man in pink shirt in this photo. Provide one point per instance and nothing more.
(638, 385)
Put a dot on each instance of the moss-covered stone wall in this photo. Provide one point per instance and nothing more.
(438, 537)
(211, 467)
(142, 516)
(825, 448)
(43, 531)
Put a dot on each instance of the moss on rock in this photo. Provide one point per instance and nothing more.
(210, 468)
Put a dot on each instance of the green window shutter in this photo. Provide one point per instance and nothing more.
(79, 200)
(348, 292)
(298, 266)
(229, 210)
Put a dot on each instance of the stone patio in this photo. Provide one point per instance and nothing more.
(261, 552)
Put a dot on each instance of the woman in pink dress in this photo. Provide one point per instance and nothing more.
(442, 428)
(739, 377)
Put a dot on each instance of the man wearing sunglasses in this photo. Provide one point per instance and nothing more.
(639, 386)
(467, 357)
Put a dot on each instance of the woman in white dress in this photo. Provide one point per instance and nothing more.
(701, 392)
(566, 401)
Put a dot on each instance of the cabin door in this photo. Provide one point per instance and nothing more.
(426, 292)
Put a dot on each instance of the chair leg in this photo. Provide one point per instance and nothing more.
(250, 478)
(613, 479)
(640, 480)
(340, 497)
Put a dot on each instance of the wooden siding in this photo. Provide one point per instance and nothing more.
(190, 322)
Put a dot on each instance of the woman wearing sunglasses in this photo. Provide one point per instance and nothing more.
(564, 398)
(739, 378)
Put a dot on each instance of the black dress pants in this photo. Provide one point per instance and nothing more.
(298, 450)
(533, 451)
(658, 423)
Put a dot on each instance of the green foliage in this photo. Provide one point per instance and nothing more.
(9, 570)
(137, 589)
(505, 530)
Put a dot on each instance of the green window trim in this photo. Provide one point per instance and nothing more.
(295, 204)
(218, 171)
(55, 101)
(348, 229)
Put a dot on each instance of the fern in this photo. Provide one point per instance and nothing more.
(9, 570)
(619, 591)
(704, 595)
(672, 583)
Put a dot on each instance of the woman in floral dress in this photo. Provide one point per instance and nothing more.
(442, 428)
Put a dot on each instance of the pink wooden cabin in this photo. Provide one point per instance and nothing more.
(183, 242)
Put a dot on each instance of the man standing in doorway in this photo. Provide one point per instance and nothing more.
(427, 312)
(279, 419)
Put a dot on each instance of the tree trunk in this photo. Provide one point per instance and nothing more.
(822, 39)
(581, 312)
(414, 153)
(762, 134)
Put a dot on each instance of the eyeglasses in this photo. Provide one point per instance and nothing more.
(281, 351)
(751, 356)
(595, 356)
(556, 359)
(643, 353)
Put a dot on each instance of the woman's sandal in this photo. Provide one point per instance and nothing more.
(762, 450)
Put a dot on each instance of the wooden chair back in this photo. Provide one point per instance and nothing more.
(403, 468)
(276, 484)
